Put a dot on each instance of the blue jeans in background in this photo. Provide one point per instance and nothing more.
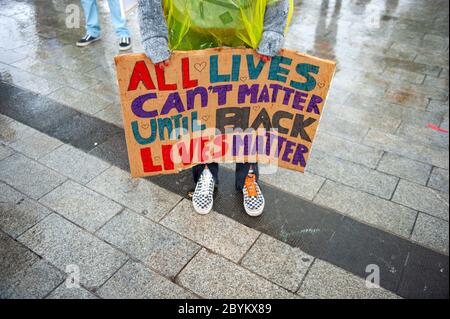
(90, 8)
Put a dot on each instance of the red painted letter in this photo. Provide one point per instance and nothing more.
(187, 82)
(162, 85)
(167, 157)
(141, 74)
(147, 161)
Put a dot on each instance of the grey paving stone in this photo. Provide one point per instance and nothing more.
(11, 56)
(413, 67)
(82, 101)
(407, 48)
(437, 83)
(278, 262)
(214, 231)
(352, 112)
(63, 244)
(107, 90)
(78, 65)
(111, 114)
(69, 50)
(38, 112)
(402, 53)
(407, 98)
(415, 151)
(403, 75)
(12, 131)
(156, 246)
(367, 208)
(365, 62)
(28, 176)
(36, 145)
(405, 168)
(337, 96)
(423, 135)
(81, 205)
(379, 111)
(22, 215)
(418, 96)
(363, 85)
(63, 292)
(5, 120)
(13, 75)
(325, 281)
(38, 84)
(35, 282)
(438, 107)
(344, 129)
(9, 197)
(408, 36)
(444, 74)
(304, 185)
(212, 276)
(351, 174)
(140, 195)
(5, 152)
(352, 78)
(444, 123)
(55, 73)
(104, 71)
(113, 150)
(14, 258)
(422, 198)
(134, 281)
(347, 150)
(435, 41)
(431, 232)
(74, 163)
(439, 179)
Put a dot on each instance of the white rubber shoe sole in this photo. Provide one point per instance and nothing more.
(255, 213)
(128, 47)
(203, 211)
(85, 44)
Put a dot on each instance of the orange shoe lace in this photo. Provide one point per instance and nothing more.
(250, 185)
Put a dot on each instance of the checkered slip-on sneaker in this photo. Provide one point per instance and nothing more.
(253, 197)
(202, 200)
(86, 40)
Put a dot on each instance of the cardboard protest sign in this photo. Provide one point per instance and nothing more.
(221, 105)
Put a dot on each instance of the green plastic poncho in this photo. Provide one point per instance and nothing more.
(202, 24)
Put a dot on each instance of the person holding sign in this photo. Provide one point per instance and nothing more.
(199, 24)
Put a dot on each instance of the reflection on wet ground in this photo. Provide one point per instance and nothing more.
(381, 46)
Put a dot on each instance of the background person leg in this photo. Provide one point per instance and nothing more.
(90, 9)
(119, 21)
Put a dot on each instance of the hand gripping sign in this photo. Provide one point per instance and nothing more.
(221, 105)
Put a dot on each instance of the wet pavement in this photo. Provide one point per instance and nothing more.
(378, 174)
